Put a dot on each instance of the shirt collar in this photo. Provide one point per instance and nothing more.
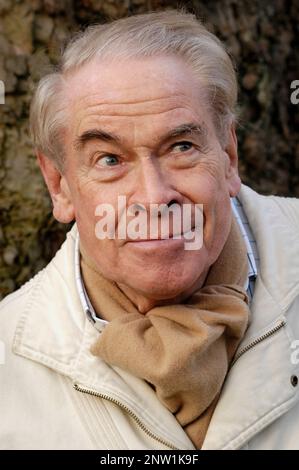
(84, 299)
(253, 259)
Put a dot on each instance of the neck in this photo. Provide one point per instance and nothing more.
(142, 302)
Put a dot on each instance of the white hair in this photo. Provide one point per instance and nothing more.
(170, 32)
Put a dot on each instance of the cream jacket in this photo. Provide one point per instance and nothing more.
(55, 395)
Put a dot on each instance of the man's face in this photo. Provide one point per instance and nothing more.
(140, 102)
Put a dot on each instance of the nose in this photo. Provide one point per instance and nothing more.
(153, 186)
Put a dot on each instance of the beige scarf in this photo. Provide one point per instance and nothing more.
(183, 351)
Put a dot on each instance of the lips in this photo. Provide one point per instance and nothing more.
(174, 237)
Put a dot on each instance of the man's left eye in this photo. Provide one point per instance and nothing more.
(182, 146)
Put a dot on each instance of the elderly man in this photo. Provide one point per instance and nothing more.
(144, 342)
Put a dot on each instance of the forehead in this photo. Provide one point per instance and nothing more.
(133, 89)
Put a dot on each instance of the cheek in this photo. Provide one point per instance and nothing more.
(96, 212)
(85, 210)
(99, 251)
(88, 196)
(86, 202)
(208, 188)
(203, 182)
(217, 217)
(202, 188)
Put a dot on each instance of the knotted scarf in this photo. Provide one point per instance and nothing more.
(183, 350)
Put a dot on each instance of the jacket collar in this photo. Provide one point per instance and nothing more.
(58, 335)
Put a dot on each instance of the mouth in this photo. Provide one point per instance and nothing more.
(177, 236)
(160, 245)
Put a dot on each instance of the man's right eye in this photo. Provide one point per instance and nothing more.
(108, 160)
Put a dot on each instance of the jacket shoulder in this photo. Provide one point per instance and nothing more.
(15, 302)
(289, 207)
(12, 305)
(286, 207)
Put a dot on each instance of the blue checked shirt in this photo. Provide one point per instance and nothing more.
(252, 256)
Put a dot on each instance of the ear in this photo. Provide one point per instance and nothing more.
(231, 169)
(56, 182)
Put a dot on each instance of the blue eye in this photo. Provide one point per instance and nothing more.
(184, 146)
(108, 160)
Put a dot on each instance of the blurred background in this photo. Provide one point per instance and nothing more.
(262, 37)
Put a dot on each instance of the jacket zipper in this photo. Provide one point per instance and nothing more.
(127, 410)
(138, 421)
(258, 340)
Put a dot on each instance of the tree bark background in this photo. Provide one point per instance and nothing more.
(262, 37)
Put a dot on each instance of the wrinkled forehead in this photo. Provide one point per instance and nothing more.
(134, 83)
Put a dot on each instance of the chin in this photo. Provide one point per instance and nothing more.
(163, 287)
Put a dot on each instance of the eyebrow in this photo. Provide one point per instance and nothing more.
(179, 131)
(95, 134)
(184, 129)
